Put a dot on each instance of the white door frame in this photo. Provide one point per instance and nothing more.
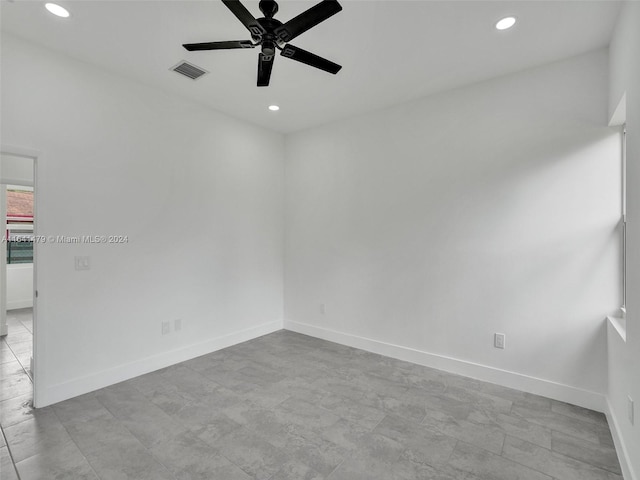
(38, 344)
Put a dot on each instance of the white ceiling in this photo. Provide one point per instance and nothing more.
(391, 51)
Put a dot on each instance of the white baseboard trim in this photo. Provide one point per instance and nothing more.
(17, 304)
(120, 373)
(621, 448)
(505, 378)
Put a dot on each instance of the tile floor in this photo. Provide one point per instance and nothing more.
(290, 407)
(16, 388)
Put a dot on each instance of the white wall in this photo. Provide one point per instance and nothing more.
(16, 170)
(19, 286)
(425, 228)
(624, 357)
(198, 194)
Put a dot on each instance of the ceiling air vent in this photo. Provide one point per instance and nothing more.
(189, 70)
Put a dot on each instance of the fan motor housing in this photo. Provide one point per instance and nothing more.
(270, 25)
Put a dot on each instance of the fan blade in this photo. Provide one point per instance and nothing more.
(265, 64)
(308, 58)
(306, 20)
(245, 17)
(193, 47)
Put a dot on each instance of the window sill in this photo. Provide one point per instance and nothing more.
(620, 325)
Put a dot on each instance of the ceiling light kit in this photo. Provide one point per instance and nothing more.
(271, 35)
(274, 108)
(506, 23)
(57, 10)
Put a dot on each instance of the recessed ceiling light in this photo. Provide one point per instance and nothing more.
(274, 108)
(57, 10)
(505, 23)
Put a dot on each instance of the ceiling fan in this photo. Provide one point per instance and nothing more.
(271, 35)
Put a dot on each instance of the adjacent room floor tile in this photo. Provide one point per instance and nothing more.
(7, 470)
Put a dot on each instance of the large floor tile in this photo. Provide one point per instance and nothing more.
(82, 409)
(406, 403)
(578, 412)
(600, 456)
(351, 410)
(306, 445)
(7, 470)
(18, 409)
(22, 348)
(487, 435)
(411, 470)
(305, 413)
(347, 434)
(18, 334)
(14, 381)
(28, 324)
(63, 460)
(6, 354)
(364, 467)
(421, 444)
(296, 470)
(486, 465)
(561, 423)
(479, 399)
(513, 426)
(254, 455)
(36, 435)
(147, 422)
(267, 396)
(552, 463)
(215, 428)
(189, 458)
(114, 452)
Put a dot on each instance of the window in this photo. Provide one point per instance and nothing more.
(20, 243)
(19, 228)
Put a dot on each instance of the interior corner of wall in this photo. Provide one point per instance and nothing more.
(619, 115)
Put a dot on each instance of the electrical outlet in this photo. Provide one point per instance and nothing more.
(630, 409)
(177, 324)
(166, 327)
(498, 340)
(322, 309)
